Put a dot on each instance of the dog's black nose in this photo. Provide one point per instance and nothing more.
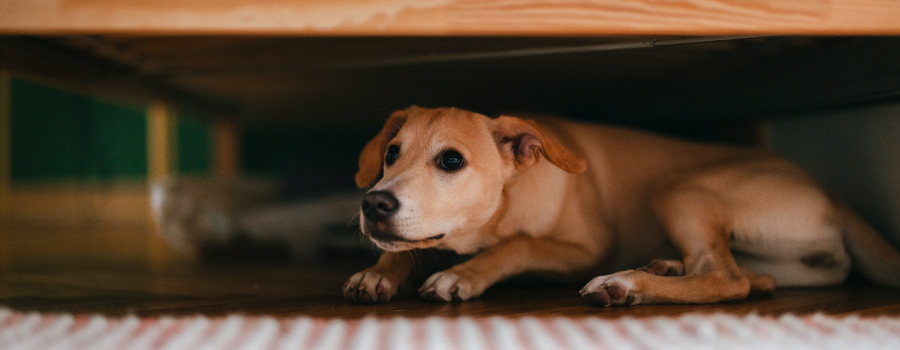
(379, 205)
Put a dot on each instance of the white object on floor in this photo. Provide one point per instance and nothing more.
(191, 213)
(694, 332)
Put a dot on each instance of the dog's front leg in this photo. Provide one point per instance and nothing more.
(379, 283)
(506, 259)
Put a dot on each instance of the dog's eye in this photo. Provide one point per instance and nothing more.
(393, 153)
(451, 160)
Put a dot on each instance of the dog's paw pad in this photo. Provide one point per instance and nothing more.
(664, 268)
(612, 290)
(369, 287)
(616, 292)
(446, 287)
(601, 298)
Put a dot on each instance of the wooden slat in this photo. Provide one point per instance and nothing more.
(161, 152)
(226, 148)
(5, 143)
(451, 17)
(5, 161)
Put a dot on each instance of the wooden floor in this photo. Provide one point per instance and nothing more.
(316, 291)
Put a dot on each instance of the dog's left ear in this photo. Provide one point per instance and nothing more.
(522, 140)
(372, 156)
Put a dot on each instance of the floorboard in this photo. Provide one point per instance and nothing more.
(315, 290)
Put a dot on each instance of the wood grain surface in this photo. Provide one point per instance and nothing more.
(451, 17)
(314, 290)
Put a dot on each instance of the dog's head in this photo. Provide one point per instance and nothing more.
(442, 173)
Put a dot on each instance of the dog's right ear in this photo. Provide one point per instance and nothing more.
(372, 155)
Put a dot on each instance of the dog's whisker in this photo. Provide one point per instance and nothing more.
(352, 219)
(437, 262)
(419, 261)
(358, 234)
(412, 256)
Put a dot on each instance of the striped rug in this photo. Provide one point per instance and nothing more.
(694, 332)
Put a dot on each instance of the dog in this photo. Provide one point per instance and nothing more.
(571, 200)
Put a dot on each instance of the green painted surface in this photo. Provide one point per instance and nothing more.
(117, 141)
(194, 146)
(59, 135)
(62, 135)
(47, 128)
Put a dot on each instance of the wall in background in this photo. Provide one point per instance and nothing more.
(309, 162)
(855, 153)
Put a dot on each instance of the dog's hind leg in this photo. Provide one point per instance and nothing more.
(698, 226)
(758, 284)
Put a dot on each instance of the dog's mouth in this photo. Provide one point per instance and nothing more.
(382, 236)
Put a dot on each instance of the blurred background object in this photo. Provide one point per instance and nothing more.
(245, 221)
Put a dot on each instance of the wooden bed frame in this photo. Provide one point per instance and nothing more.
(450, 17)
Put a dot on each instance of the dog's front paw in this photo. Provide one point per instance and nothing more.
(368, 287)
(448, 286)
(612, 290)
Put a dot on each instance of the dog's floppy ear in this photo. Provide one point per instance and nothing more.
(522, 140)
(373, 154)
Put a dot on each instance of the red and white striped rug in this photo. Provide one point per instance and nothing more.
(714, 332)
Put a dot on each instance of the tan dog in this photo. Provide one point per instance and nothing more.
(605, 200)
